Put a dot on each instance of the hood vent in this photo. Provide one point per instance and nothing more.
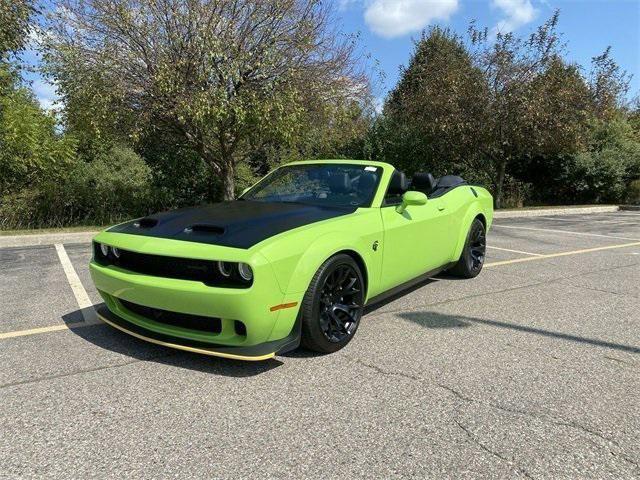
(205, 228)
(146, 222)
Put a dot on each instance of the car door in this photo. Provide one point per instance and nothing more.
(415, 241)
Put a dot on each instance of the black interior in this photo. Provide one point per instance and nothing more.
(397, 186)
(425, 183)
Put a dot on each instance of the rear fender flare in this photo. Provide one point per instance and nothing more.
(472, 212)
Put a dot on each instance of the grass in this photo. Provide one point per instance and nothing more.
(39, 231)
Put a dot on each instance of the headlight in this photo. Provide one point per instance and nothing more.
(225, 269)
(245, 272)
(104, 249)
(116, 252)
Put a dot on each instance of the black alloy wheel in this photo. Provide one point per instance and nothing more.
(478, 247)
(473, 253)
(340, 303)
(333, 305)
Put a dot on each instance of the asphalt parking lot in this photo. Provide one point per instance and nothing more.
(530, 370)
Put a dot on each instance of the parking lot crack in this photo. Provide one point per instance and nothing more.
(513, 411)
(388, 372)
(490, 451)
(545, 419)
(79, 372)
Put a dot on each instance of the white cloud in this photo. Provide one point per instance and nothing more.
(393, 18)
(517, 13)
(46, 94)
(378, 104)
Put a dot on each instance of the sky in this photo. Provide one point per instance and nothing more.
(387, 30)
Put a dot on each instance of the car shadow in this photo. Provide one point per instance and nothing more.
(428, 319)
(109, 338)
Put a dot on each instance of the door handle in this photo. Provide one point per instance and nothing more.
(440, 208)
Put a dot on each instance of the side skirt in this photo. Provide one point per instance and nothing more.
(381, 297)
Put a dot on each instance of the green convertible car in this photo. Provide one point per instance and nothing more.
(292, 261)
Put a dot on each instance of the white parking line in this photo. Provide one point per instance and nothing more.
(597, 220)
(514, 251)
(564, 231)
(83, 300)
(560, 254)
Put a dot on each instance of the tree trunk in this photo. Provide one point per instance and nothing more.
(502, 168)
(229, 180)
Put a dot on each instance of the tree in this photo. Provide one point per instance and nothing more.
(520, 111)
(15, 25)
(432, 117)
(609, 85)
(227, 75)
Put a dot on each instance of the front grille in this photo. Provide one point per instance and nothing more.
(175, 319)
(169, 267)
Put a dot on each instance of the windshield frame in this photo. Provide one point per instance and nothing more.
(366, 204)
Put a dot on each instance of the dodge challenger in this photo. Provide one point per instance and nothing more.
(293, 261)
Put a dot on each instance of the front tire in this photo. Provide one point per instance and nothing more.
(473, 253)
(333, 305)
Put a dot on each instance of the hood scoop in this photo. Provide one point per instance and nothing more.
(205, 228)
(230, 224)
(146, 222)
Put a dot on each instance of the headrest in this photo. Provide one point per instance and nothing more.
(366, 182)
(398, 184)
(339, 183)
(423, 182)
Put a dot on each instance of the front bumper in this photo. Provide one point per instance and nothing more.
(263, 351)
(263, 333)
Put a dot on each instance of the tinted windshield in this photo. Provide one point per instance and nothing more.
(338, 185)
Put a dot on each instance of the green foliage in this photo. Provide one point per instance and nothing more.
(31, 147)
(15, 24)
(511, 113)
(113, 187)
(201, 113)
(432, 118)
(229, 76)
(633, 193)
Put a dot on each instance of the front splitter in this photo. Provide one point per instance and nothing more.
(256, 353)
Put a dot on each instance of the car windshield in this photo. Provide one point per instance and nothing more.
(323, 184)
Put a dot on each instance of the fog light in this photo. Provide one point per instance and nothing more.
(104, 249)
(245, 271)
(225, 269)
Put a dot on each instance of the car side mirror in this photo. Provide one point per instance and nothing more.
(411, 198)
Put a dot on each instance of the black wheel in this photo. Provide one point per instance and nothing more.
(473, 254)
(332, 307)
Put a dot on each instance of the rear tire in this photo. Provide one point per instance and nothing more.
(333, 305)
(473, 253)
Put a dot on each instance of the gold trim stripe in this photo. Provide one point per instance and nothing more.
(189, 349)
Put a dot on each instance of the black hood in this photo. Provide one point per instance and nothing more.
(239, 224)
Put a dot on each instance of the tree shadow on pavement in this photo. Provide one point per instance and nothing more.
(109, 338)
(438, 320)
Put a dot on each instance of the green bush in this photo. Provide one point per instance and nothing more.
(599, 177)
(633, 193)
(113, 187)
